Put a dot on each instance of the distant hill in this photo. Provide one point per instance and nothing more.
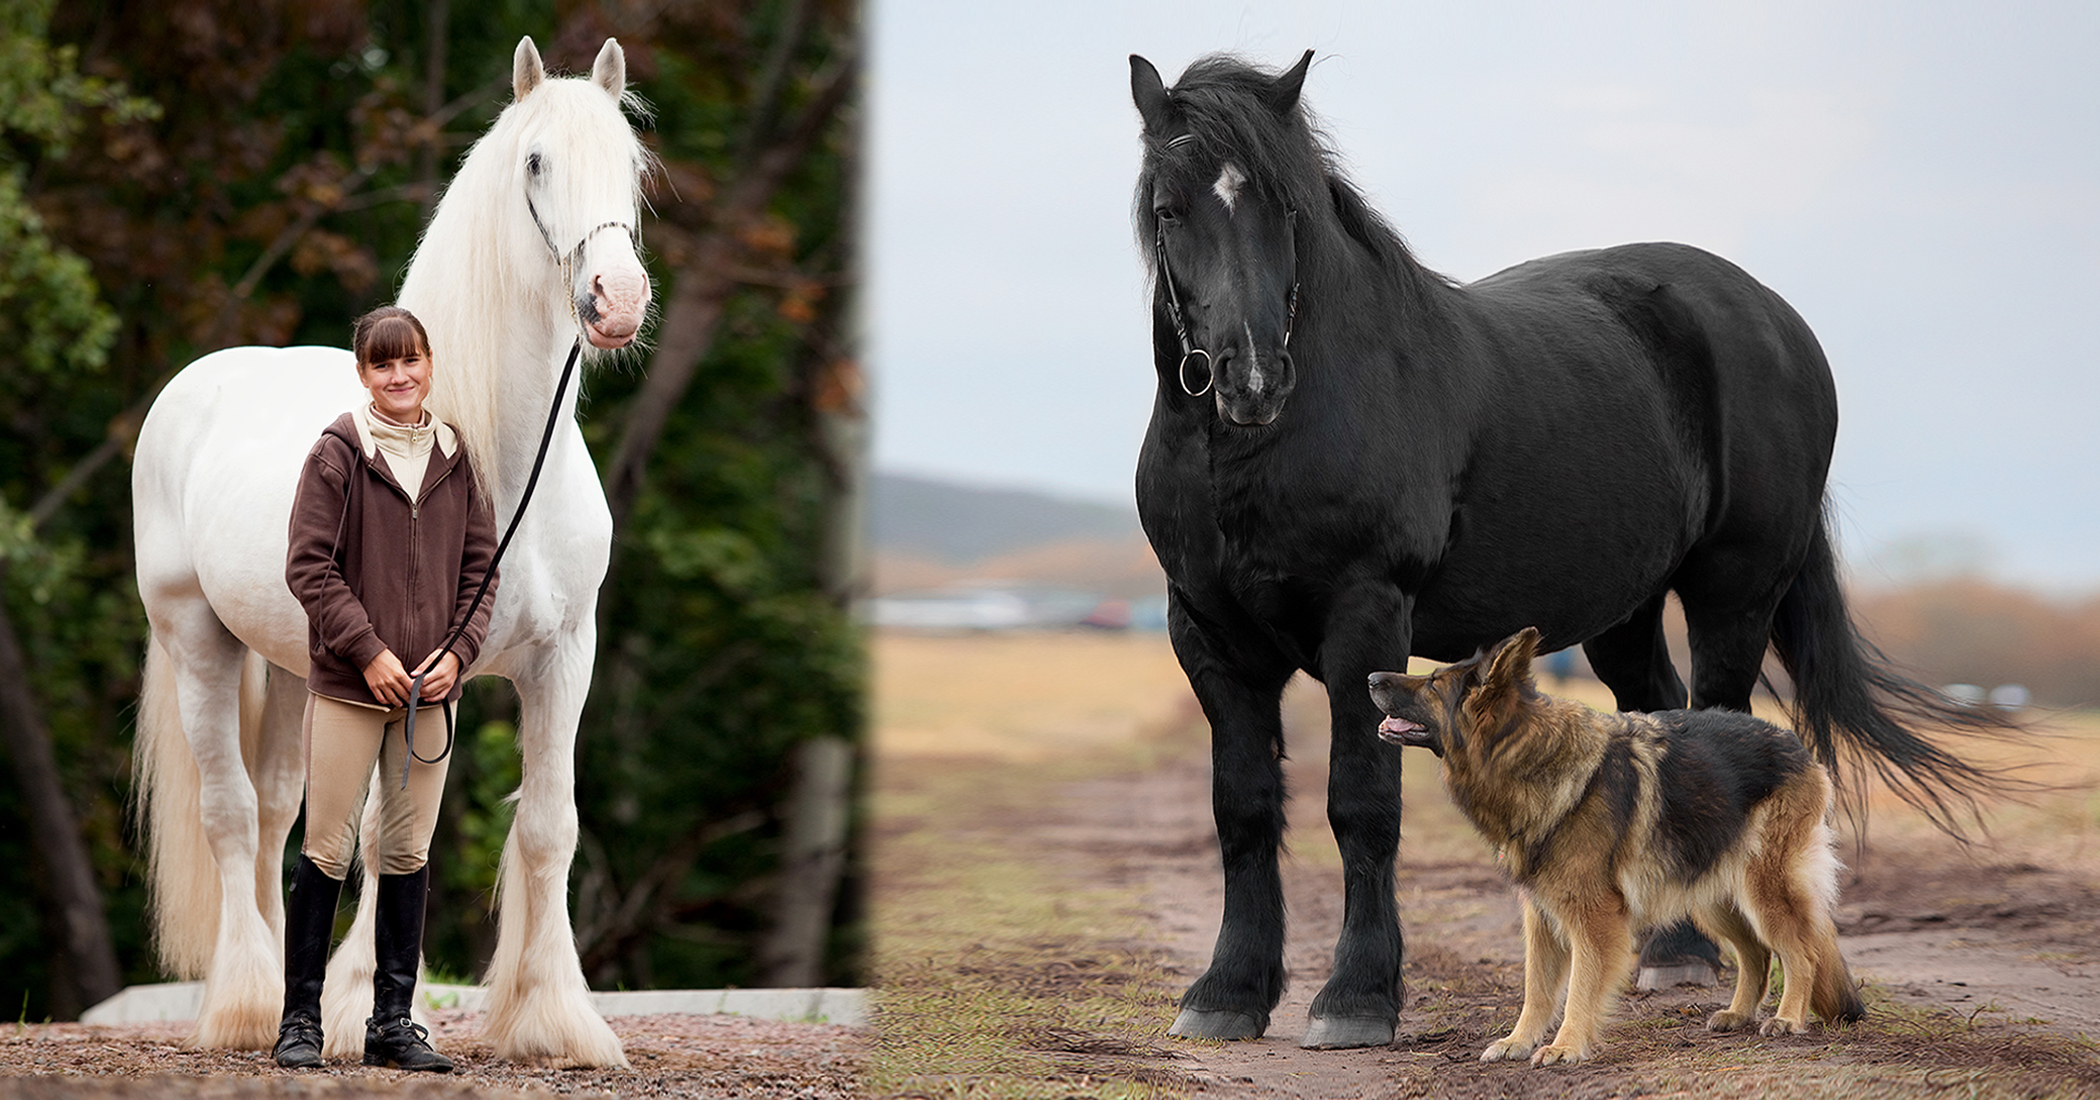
(928, 534)
(959, 524)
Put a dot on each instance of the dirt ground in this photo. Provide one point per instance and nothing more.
(2010, 946)
(1981, 963)
(671, 1056)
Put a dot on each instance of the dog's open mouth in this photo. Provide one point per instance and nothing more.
(1406, 734)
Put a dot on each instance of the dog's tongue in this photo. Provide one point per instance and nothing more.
(1398, 727)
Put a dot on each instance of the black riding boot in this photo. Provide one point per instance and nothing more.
(309, 923)
(391, 1038)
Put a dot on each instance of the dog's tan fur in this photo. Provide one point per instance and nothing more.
(1573, 801)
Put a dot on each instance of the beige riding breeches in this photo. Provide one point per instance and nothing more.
(343, 741)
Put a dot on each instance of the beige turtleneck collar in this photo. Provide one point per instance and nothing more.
(407, 447)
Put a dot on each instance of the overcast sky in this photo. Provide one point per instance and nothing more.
(1920, 180)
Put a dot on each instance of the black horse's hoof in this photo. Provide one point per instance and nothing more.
(1198, 1023)
(1343, 1032)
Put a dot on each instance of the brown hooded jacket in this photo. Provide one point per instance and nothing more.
(376, 570)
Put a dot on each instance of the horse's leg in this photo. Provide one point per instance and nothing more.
(1633, 660)
(1360, 1005)
(277, 767)
(1730, 594)
(1233, 999)
(346, 994)
(244, 987)
(539, 1007)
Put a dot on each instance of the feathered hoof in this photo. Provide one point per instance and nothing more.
(1346, 1032)
(554, 1031)
(247, 1021)
(243, 1000)
(344, 1007)
(1216, 1023)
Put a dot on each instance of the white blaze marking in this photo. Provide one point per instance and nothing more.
(1228, 186)
(1253, 362)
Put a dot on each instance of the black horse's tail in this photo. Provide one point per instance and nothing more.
(1853, 710)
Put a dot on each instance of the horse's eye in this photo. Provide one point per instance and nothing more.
(1167, 215)
(532, 164)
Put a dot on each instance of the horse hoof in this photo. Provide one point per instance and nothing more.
(1670, 977)
(1342, 1032)
(1196, 1023)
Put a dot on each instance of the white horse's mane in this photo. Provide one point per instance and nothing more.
(482, 279)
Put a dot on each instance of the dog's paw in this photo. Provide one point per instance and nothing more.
(1506, 1050)
(1780, 1025)
(1558, 1055)
(1725, 1020)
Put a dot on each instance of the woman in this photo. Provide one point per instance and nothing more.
(390, 538)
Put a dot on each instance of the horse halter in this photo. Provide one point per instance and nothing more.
(566, 261)
(1181, 328)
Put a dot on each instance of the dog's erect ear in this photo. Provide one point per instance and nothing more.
(1283, 95)
(1510, 668)
(1150, 94)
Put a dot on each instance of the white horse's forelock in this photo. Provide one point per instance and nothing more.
(481, 256)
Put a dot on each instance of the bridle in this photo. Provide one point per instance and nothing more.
(566, 262)
(1189, 350)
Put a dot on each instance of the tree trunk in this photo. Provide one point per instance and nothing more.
(437, 18)
(793, 955)
(88, 963)
(703, 286)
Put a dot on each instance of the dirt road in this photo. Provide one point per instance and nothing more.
(1969, 955)
(1982, 964)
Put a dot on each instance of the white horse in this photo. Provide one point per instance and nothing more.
(531, 247)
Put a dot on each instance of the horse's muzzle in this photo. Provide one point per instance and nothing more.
(613, 308)
(1252, 388)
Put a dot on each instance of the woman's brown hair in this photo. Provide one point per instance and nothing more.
(387, 333)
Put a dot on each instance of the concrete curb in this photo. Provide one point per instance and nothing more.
(141, 1004)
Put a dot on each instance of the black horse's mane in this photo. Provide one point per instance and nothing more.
(1222, 107)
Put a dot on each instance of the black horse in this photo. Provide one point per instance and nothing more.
(1352, 459)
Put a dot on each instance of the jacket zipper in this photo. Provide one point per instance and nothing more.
(408, 591)
(415, 515)
(415, 512)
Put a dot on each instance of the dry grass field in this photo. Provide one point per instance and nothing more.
(1045, 885)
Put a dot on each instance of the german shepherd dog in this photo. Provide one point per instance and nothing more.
(1612, 824)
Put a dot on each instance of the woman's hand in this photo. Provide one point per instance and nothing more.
(439, 683)
(387, 679)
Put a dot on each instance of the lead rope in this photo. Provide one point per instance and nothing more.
(415, 685)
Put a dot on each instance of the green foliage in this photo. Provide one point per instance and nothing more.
(51, 313)
(43, 95)
(66, 596)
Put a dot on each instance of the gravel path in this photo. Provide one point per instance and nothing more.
(672, 1056)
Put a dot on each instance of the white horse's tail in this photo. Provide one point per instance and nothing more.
(183, 880)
